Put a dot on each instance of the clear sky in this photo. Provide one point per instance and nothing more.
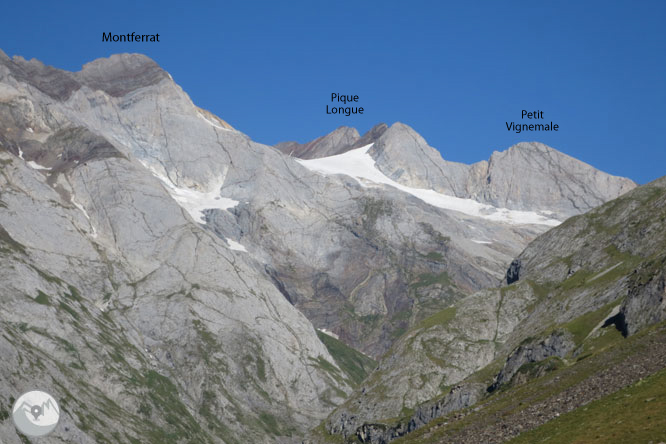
(454, 71)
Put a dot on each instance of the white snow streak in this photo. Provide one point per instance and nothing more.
(233, 245)
(85, 213)
(193, 201)
(35, 166)
(480, 241)
(32, 164)
(212, 122)
(360, 165)
(328, 332)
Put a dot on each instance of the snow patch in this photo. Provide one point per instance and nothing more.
(481, 241)
(21, 153)
(360, 165)
(328, 332)
(193, 201)
(233, 245)
(85, 213)
(212, 122)
(30, 130)
(35, 166)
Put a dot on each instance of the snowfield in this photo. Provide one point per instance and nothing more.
(193, 201)
(360, 165)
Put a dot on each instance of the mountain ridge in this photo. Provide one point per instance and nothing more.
(399, 153)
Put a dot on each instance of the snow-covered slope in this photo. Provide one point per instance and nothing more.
(361, 166)
(193, 201)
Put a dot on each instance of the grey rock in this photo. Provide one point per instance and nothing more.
(513, 273)
(460, 397)
(559, 344)
(337, 142)
(371, 136)
(121, 74)
(130, 312)
(644, 304)
(533, 173)
(404, 156)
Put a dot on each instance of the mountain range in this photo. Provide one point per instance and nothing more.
(168, 279)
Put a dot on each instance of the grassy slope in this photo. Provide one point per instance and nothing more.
(582, 425)
(634, 414)
(354, 363)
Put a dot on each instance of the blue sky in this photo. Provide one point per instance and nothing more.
(454, 71)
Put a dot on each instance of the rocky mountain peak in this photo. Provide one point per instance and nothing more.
(531, 172)
(116, 75)
(404, 155)
(53, 82)
(121, 73)
(372, 135)
(335, 142)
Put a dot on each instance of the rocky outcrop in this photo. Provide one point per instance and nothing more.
(404, 156)
(559, 344)
(458, 398)
(339, 141)
(513, 273)
(336, 142)
(645, 302)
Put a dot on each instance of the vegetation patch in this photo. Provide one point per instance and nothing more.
(441, 318)
(355, 364)
(42, 298)
(581, 327)
(9, 241)
(373, 209)
(428, 279)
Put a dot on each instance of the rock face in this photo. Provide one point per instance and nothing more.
(162, 272)
(458, 398)
(145, 325)
(513, 273)
(558, 344)
(645, 303)
(337, 142)
(529, 173)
